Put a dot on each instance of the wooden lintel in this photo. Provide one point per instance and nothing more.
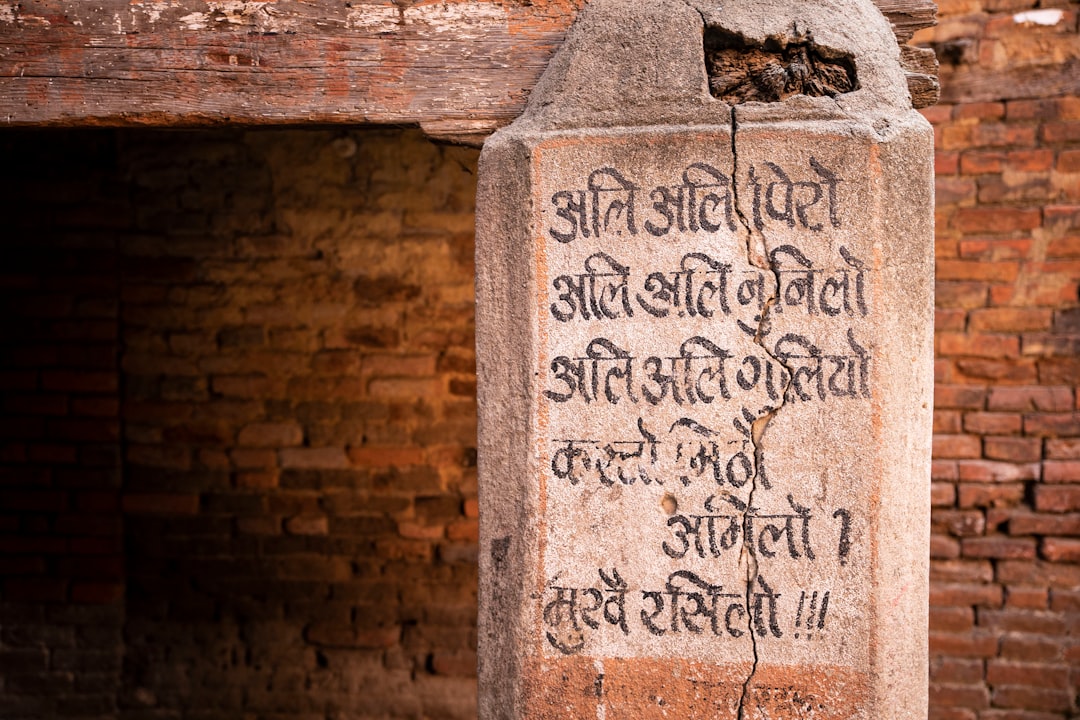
(460, 69)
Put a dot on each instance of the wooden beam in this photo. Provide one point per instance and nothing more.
(460, 68)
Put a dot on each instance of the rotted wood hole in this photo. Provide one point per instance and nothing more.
(741, 70)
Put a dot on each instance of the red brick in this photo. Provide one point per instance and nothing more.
(1062, 215)
(948, 163)
(1049, 345)
(995, 249)
(942, 494)
(998, 495)
(258, 525)
(1031, 648)
(984, 471)
(965, 595)
(944, 547)
(955, 294)
(271, 435)
(1057, 498)
(1013, 449)
(1053, 425)
(950, 319)
(454, 664)
(1061, 471)
(1064, 247)
(952, 619)
(1056, 549)
(955, 670)
(1063, 449)
(963, 645)
(964, 397)
(968, 270)
(160, 456)
(1061, 131)
(936, 114)
(1025, 621)
(998, 220)
(307, 525)
(1002, 134)
(387, 388)
(998, 547)
(957, 446)
(947, 422)
(989, 423)
(944, 470)
(1040, 524)
(944, 371)
(1003, 294)
(256, 480)
(977, 162)
(1006, 672)
(326, 458)
(1032, 598)
(959, 523)
(1068, 161)
(1065, 600)
(964, 696)
(242, 386)
(328, 634)
(1025, 572)
(397, 366)
(1018, 696)
(463, 530)
(1064, 108)
(978, 345)
(1037, 398)
(160, 504)
(979, 110)
(1009, 319)
(386, 456)
(250, 458)
(1031, 161)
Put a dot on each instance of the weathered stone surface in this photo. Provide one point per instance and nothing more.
(704, 356)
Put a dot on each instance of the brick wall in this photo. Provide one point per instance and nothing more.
(1005, 594)
(61, 559)
(237, 467)
(283, 323)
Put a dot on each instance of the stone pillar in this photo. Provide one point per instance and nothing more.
(704, 331)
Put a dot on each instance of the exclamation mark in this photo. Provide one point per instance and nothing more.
(810, 616)
(824, 609)
(798, 613)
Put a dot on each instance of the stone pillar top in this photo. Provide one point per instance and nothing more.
(633, 63)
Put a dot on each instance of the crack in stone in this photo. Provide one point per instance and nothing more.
(757, 431)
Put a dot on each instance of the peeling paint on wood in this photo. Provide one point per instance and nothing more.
(460, 68)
